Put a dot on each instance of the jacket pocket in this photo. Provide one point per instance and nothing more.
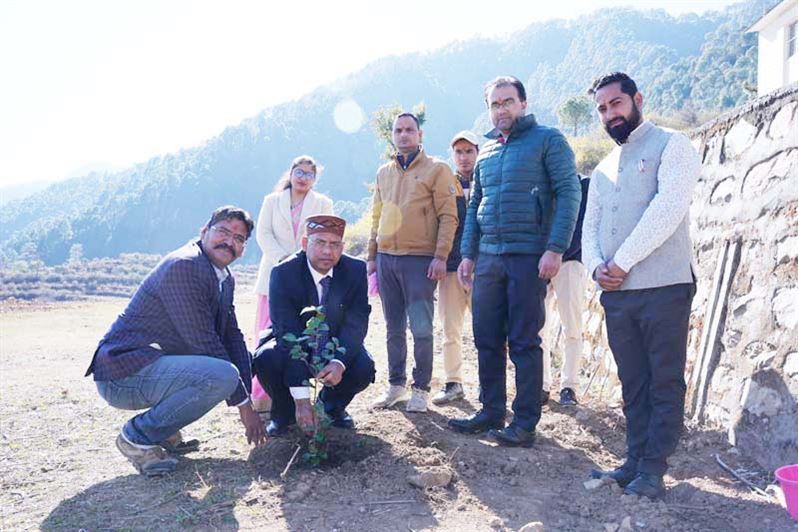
(539, 210)
(537, 206)
(427, 224)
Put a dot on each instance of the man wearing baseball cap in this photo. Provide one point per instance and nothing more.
(454, 298)
(320, 274)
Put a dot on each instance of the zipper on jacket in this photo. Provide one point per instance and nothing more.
(501, 182)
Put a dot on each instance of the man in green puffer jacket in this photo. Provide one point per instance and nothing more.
(521, 216)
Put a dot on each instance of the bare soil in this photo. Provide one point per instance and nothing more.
(60, 470)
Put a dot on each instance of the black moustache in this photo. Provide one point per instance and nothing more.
(228, 248)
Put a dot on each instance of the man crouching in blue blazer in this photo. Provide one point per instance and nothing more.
(320, 274)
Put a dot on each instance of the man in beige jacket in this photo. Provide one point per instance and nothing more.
(414, 218)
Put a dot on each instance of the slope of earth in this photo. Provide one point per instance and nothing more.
(59, 469)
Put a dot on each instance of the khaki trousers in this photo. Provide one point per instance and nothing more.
(453, 300)
(567, 294)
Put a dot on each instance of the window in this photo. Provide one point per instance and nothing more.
(792, 36)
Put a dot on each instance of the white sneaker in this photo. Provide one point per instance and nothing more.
(451, 392)
(418, 401)
(394, 394)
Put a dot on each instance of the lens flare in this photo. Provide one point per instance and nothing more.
(348, 116)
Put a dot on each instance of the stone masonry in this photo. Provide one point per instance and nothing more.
(742, 368)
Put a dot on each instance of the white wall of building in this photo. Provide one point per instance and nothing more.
(775, 69)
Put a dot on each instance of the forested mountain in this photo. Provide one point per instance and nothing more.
(698, 62)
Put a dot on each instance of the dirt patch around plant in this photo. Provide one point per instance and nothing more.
(59, 469)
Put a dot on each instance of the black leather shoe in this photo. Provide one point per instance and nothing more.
(476, 424)
(544, 397)
(277, 428)
(623, 475)
(513, 436)
(646, 485)
(341, 419)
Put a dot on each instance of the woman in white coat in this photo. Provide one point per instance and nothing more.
(279, 225)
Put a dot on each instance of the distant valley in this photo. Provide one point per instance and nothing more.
(690, 63)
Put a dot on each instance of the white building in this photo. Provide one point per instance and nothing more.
(778, 47)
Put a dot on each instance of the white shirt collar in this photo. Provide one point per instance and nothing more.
(221, 275)
(319, 276)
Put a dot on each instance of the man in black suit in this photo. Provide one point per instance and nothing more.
(320, 274)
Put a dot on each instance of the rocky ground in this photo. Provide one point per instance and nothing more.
(59, 469)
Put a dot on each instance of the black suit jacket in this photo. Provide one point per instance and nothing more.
(291, 289)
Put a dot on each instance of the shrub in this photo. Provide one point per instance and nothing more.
(357, 235)
(590, 150)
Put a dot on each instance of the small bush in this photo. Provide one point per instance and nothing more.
(590, 150)
(358, 234)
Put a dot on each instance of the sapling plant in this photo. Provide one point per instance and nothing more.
(316, 348)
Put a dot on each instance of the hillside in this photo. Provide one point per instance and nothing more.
(696, 62)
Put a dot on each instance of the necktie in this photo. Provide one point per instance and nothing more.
(324, 337)
(325, 289)
(220, 313)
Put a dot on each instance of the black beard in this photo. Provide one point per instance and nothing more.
(621, 132)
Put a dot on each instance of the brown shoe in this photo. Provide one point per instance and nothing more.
(174, 444)
(150, 461)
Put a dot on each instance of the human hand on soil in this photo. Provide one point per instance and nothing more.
(304, 415)
(253, 424)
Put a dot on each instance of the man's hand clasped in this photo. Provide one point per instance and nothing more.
(609, 276)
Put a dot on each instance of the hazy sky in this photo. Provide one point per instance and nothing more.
(112, 82)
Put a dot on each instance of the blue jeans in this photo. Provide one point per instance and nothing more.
(177, 389)
(407, 295)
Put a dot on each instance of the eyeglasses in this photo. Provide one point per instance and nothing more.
(506, 104)
(301, 174)
(334, 246)
(226, 233)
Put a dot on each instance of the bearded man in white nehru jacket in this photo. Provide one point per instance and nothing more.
(636, 245)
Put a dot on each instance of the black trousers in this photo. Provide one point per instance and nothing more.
(647, 332)
(508, 309)
(277, 372)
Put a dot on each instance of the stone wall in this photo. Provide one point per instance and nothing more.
(742, 368)
(743, 359)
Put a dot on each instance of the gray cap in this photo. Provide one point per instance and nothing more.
(467, 136)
